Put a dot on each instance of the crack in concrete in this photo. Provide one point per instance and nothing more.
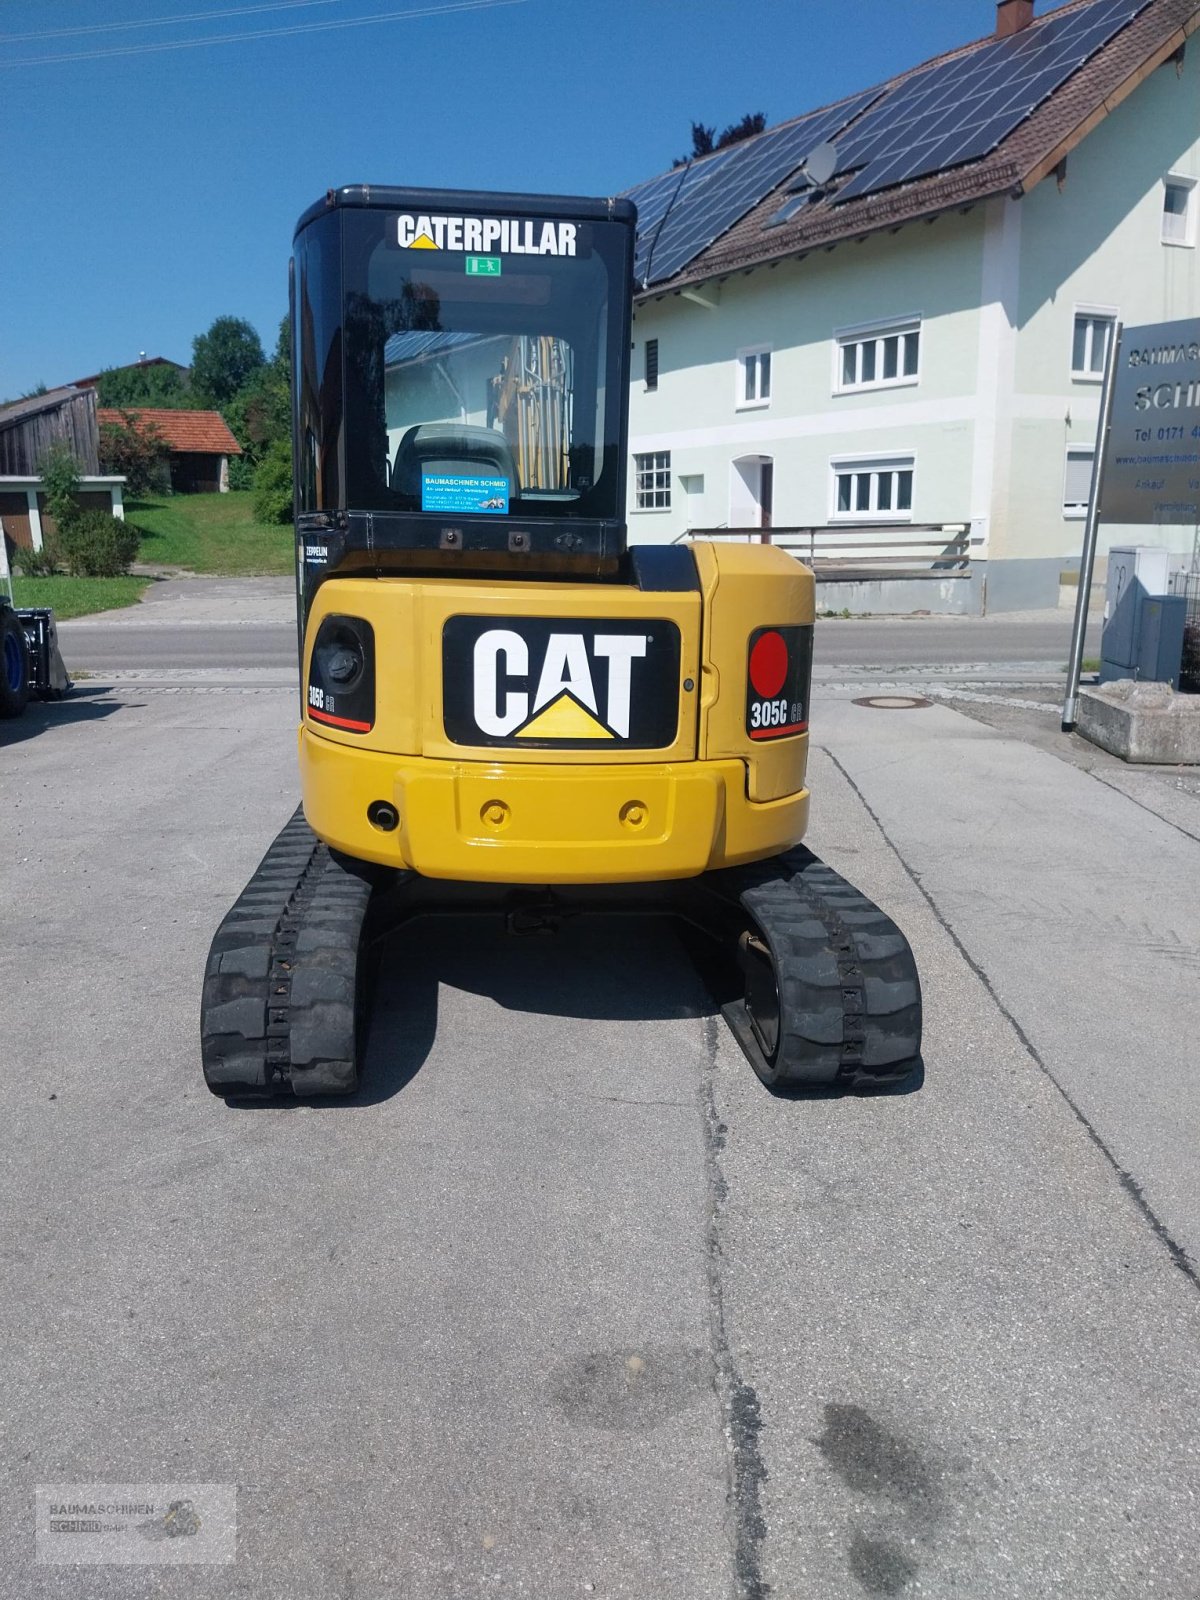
(741, 1414)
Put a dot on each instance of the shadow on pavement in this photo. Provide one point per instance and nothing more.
(42, 716)
(604, 968)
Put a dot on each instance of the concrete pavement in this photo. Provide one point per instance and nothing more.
(563, 1302)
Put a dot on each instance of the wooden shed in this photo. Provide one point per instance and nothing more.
(29, 427)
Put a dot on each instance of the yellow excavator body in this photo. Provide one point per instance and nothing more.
(568, 792)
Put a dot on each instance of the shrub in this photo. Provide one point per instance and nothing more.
(41, 563)
(135, 450)
(273, 484)
(241, 472)
(98, 545)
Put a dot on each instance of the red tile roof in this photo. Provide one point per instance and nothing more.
(190, 432)
(1019, 161)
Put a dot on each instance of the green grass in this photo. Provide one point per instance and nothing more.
(78, 597)
(211, 533)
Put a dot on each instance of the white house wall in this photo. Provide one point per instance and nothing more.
(989, 420)
(1096, 243)
(794, 309)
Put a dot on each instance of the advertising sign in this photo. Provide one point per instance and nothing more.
(1152, 459)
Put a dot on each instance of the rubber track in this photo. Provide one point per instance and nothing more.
(279, 1013)
(850, 996)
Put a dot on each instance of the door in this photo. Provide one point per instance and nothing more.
(751, 493)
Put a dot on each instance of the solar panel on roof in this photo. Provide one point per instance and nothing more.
(960, 110)
(656, 197)
(682, 213)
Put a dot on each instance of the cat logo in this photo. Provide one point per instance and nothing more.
(544, 682)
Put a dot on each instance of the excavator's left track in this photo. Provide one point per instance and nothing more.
(283, 1000)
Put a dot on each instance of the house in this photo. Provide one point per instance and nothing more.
(143, 361)
(199, 442)
(880, 329)
(28, 428)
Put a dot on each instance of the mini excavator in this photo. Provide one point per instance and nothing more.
(503, 707)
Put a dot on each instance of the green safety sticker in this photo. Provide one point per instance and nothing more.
(483, 266)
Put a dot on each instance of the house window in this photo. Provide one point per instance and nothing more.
(1179, 211)
(1077, 482)
(652, 363)
(877, 358)
(1089, 348)
(652, 481)
(877, 490)
(753, 377)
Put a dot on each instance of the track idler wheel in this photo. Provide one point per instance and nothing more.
(831, 996)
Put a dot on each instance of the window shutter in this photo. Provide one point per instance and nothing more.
(1079, 478)
(652, 363)
(1175, 210)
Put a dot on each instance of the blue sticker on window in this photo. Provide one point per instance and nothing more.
(443, 491)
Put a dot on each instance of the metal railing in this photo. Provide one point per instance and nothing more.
(858, 551)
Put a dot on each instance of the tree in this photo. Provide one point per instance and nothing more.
(261, 412)
(224, 359)
(705, 139)
(159, 386)
(273, 484)
(59, 472)
(135, 450)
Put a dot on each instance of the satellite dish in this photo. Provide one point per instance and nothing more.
(821, 163)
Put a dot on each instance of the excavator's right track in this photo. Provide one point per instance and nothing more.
(832, 997)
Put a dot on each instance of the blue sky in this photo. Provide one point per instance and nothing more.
(150, 191)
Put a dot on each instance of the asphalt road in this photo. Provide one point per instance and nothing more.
(563, 1302)
(223, 624)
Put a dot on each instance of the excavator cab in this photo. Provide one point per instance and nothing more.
(462, 365)
(502, 704)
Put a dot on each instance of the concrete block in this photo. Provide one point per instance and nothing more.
(1142, 722)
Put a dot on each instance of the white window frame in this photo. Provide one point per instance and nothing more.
(758, 401)
(1181, 180)
(1093, 314)
(876, 463)
(652, 480)
(1074, 510)
(875, 333)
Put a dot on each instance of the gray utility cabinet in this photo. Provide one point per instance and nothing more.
(1143, 622)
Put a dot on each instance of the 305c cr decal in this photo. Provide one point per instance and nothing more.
(778, 675)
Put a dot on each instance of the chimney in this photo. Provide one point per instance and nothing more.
(1012, 16)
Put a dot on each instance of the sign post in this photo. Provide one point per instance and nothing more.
(1147, 463)
(1087, 559)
